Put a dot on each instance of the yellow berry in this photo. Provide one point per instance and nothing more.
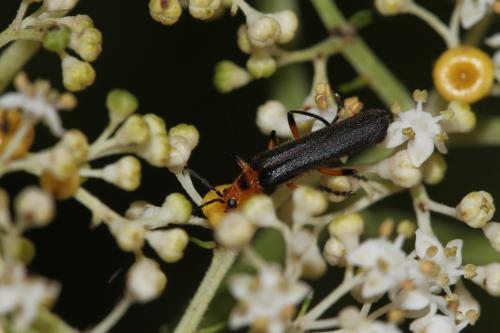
(464, 74)
(9, 124)
(215, 210)
(60, 188)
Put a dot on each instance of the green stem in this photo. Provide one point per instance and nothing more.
(222, 260)
(364, 61)
(435, 23)
(48, 322)
(10, 35)
(325, 48)
(14, 58)
(485, 134)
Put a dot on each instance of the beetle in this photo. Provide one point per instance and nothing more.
(317, 150)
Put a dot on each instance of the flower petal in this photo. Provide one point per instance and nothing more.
(472, 12)
(394, 135)
(420, 149)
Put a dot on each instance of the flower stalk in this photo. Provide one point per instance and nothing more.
(366, 63)
(222, 261)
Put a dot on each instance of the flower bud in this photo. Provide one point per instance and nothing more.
(60, 162)
(183, 139)
(340, 184)
(126, 173)
(261, 65)
(169, 244)
(156, 151)
(346, 226)
(263, 31)
(272, 116)
(134, 131)
(77, 144)
(203, 9)
(34, 207)
(60, 189)
(156, 124)
(59, 5)
(176, 208)
(77, 75)
(56, 39)
(165, 12)
(406, 228)
(234, 230)
(434, 169)
(400, 170)
(288, 22)
(128, 235)
(243, 41)
(88, 44)
(229, 76)
(120, 103)
(303, 245)
(260, 210)
(145, 280)
(334, 252)
(189, 132)
(476, 208)
(488, 277)
(78, 23)
(458, 118)
(492, 232)
(391, 7)
(309, 201)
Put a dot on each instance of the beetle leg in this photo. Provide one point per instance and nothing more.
(293, 125)
(339, 172)
(339, 193)
(272, 142)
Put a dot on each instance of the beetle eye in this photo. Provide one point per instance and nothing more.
(231, 203)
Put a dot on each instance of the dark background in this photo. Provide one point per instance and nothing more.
(170, 70)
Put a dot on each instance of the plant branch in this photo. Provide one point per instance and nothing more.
(14, 58)
(364, 61)
(222, 260)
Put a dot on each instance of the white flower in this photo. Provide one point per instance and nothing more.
(473, 11)
(421, 129)
(385, 263)
(22, 296)
(56, 5)
(303, 246)
(35, 106)
(265, 298)
(446, 260)
(352, 321)
(434, 324)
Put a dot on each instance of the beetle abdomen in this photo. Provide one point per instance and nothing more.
(347, 137)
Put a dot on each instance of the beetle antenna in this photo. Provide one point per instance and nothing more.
(203, 181)
(211, 202)
(312, 115)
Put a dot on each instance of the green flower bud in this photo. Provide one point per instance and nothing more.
(391, 7)
(156, 124)
(89, 44)
(57, 39)
(261, 65)
(120, 104)
(229, 76)
(77, 75)
(189, 132)
(434, 169)
(166, 12)
(203, 9)
(243, 41)
(134, 131)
